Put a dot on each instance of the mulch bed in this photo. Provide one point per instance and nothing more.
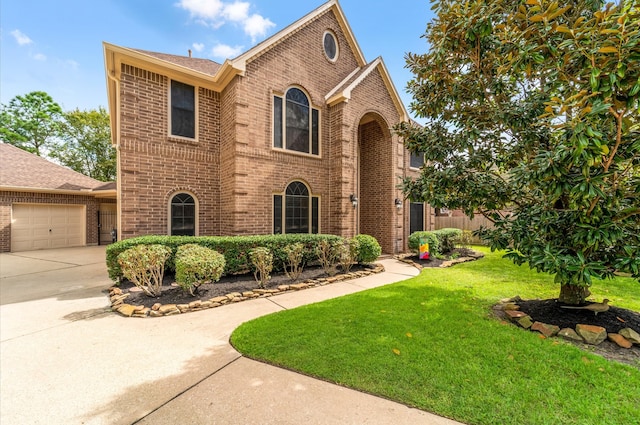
(172, 294)
(549, 311)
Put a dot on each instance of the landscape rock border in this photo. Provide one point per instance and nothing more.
(474, 255)
(588, 334)
(118, 297)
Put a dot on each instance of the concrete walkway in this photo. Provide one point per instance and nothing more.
(66, 359)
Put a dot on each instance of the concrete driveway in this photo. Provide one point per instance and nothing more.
(67, 359)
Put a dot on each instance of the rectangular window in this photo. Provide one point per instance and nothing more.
(417, 160)
(183, 110)
(277, 214)
(277, 122)
(315, 215)
(416, 217)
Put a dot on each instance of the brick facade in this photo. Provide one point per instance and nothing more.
(231, 167)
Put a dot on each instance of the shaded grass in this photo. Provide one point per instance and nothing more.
(430, 342)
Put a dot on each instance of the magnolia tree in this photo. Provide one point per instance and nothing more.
(532, 114)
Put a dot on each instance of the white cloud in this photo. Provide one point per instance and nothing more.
(21, 39)
(236, 12)
(223, 51)
(257, 26)
(216, 13)
(197, 47)
(40, 57)
(72, 64)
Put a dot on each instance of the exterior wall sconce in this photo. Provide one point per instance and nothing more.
(354, 200)
(398, 203)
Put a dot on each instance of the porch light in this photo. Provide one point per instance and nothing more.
(354, 200)
(398, 203)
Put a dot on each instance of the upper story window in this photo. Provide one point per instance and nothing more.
(183, 110)
(330, 46)
(416, 160)
(296, 123)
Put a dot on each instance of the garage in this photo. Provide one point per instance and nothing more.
(42, 226)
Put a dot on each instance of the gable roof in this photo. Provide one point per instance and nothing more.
(24, 171)
(342, 92)
(205, 66)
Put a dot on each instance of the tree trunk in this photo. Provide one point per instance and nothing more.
(573, 294)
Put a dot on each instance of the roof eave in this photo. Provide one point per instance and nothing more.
(110, 193)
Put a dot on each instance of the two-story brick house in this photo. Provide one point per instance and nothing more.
(294, 135)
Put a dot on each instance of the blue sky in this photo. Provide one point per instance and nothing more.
(56, 46)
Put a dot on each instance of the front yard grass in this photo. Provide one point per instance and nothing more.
(431, 342)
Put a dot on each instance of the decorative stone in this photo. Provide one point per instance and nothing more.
(195, 304)
(116, 291)
(298, 286)
(283, 287)
(156, 306)
(206, 304)
(525, 322)
(233, 295)
(593, 335)
(219, 299)
(247, 294)
(620, 340)
(545, 329)
(126, 310)
(630, 335)
(183, 307)
(155, 313)
(514, 314)
(167, 308)
(568, 333)
(511, 306)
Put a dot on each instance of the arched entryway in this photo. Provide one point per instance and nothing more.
(375, 181)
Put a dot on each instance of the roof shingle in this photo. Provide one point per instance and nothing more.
(19, 168)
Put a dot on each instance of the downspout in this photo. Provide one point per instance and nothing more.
(116, 141)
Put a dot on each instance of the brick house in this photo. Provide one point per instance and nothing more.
(292, 136)
(44, 205)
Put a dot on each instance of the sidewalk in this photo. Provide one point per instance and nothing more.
(69, 360)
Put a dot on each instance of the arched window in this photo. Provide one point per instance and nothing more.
(300, 212)
(183, 215)
(296, 127)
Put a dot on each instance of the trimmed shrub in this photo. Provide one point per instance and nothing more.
(143, 265)
(196, 265)
(294, 265)
(429, 237)
(262, 260)
(234, 248)
(464, 240)
(446, 238)
(348, 254)
(368, 249)
(328, 254)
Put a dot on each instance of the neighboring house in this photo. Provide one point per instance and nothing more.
(293, 136)
(44, 205)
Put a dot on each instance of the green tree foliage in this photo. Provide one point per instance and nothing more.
(85, 144)
(30, 122)
(531, 112)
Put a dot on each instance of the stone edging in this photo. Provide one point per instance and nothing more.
(588, 334)
(117, 296)
(406, 258)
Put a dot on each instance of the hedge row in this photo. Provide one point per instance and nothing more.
(440, 241)
(234, 248)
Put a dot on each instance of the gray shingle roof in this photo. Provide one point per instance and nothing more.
(19, 168)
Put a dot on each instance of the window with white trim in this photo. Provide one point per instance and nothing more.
(296, 123)
(183, 110)
(296, 211)
(183, 215)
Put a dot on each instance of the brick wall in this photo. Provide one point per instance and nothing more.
(233, 169)
(7, 199)
(154, 166)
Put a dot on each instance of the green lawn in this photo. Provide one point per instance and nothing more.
(431, 342)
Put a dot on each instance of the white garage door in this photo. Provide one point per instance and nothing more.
(47, 226)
